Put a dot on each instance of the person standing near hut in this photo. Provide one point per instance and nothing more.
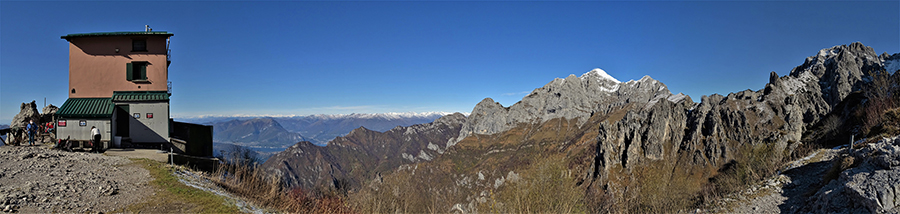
(95, 139)
(31, 129)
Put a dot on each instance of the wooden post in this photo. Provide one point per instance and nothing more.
(851, 142)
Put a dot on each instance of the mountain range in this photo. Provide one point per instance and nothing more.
(626, 146)
(281, 132)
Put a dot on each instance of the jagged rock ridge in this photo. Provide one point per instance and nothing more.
(594, 92)
(699, 137)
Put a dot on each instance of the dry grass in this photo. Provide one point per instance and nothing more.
(888, 125)
(753, 164)
(880, 111)
(838, 166)
(547, 187)
(256, 186)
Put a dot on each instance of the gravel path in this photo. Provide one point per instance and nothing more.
(787, 191)
(37, 179)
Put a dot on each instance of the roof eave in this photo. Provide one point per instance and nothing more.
(102, 34)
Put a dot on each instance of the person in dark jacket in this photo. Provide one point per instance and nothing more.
(31, 129)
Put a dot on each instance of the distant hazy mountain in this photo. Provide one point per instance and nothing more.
(318, 129)
(257, 132)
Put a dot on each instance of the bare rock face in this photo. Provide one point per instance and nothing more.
(871, 187)
(711, 133)
(49, 109)
(27, 111)
(594, 92)
(48, 112)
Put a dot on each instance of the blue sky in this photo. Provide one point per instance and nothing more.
(300, 58)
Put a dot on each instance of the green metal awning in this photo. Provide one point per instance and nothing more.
(122, 33)
(86, 108)
(137, 96)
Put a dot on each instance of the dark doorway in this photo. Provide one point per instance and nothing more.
(122, 120)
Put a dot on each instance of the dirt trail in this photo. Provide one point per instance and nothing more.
(786, 192)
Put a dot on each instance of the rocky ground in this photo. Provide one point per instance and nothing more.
(786, 192)
(871, 184)
(37, 179)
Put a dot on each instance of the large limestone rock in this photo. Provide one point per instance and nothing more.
(27, 111)
(871, 187)
(48, 112)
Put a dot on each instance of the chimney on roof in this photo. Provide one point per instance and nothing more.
(147, 28)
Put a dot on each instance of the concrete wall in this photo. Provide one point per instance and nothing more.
(84, 132)
(149, 130)
(96, 69)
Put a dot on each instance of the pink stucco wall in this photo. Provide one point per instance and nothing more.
(96, 70)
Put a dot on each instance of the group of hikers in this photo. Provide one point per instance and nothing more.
(32, 130)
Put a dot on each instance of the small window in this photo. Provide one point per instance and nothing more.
(61, 123)
(139, 45)
(149, 115)
(136, 70)
(82, 123)
(137, 115)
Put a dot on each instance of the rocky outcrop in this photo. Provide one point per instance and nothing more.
(871, 187)
(48, 113)
(27, 112)
(362, 154)
(694, 137)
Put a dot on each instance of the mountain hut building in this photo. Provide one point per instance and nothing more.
(118, 82)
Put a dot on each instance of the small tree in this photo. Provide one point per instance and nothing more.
(882, 95)
(239, 156)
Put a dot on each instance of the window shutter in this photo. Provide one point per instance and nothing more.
(143, 71)
(128, 72)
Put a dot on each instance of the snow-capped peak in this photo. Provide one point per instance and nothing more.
(828, 52)
(600, 74)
